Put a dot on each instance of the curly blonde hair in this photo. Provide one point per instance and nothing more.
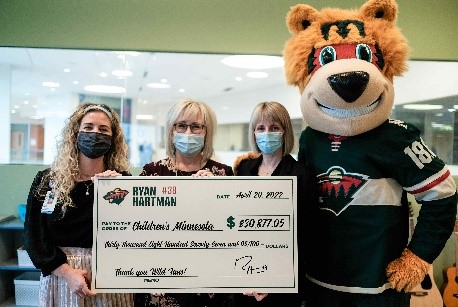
(65, 168)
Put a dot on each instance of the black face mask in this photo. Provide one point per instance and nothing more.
(93, 144)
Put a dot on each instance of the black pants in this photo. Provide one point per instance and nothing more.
(319, 296)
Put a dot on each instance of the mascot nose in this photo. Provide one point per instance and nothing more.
(349, 85)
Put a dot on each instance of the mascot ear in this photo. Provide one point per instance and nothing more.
(300, 17)
(380, 9)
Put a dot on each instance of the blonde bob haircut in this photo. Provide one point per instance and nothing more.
(189, 108)
(274, 112)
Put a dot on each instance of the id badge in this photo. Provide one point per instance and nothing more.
(49, 203)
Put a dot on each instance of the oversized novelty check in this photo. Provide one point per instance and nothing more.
(202, 235)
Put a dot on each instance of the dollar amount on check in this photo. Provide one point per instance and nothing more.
(195, 235)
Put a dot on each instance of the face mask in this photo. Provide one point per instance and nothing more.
(188, 144)
(93, 144)
(269, 142)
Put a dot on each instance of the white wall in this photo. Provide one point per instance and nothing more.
(5, 113)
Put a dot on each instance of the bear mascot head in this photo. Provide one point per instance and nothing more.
(343, 63)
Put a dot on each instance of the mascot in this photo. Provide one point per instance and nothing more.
(358, 254)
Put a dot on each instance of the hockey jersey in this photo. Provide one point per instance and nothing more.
(360, 223)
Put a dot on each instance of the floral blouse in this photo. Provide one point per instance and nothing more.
(166, 167)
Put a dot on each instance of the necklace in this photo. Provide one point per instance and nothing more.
(265, 170)
(265, 173)
(87, 187)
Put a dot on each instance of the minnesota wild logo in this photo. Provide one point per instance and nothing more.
(116, 196)
(337, 188)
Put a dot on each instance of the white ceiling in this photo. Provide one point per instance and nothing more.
(201, 76)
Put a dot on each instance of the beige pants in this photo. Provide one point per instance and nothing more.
(55, 292)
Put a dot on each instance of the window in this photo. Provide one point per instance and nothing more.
(42, 86)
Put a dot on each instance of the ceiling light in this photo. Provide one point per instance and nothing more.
(106, 89)
(144, 116)
(253, 61)
(181, 90)
(121, 73)
(257, 74)
(158, 85)
(423, 107)
(67, 70)
(103, 74)
(50, 84)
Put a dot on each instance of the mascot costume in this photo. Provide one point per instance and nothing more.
(358, 254)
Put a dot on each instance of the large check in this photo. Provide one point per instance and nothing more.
(191, 235)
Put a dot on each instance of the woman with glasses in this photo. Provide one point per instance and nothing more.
(190, 131)
(271, 138)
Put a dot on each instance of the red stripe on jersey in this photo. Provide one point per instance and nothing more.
(432, 184)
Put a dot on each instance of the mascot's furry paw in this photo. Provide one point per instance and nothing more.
(407, 271)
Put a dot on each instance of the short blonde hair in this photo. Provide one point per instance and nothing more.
(188, 108)
(275, 112)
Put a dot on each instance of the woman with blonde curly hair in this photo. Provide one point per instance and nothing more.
(58, 224)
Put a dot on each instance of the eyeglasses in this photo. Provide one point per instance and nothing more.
(182, 128)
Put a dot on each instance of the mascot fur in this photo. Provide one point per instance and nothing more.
(343, 62)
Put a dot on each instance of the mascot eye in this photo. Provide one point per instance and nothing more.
(327, 55)
(364, 52)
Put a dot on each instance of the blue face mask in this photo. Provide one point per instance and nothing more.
(188, 144)
(269, 142)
